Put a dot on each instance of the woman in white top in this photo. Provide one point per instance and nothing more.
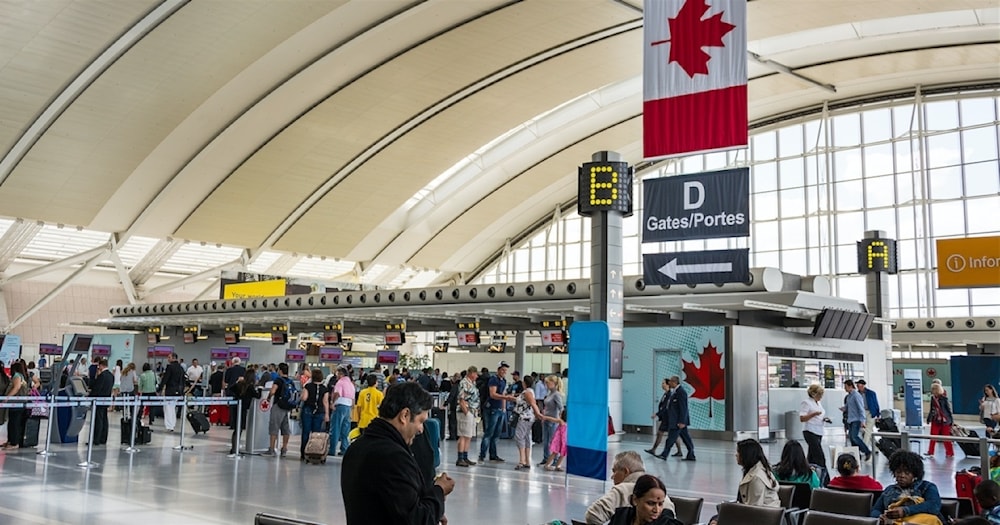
(812, 416)
(989, 407)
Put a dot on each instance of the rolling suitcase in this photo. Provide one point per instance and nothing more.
(31, 432)
(317, 447)
(199, 422)
(143, 433)
(965, 487)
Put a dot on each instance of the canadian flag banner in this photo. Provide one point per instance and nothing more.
(694, 76)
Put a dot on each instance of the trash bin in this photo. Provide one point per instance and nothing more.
(793, 427)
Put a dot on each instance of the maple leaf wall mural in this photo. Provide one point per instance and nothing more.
(696, 354)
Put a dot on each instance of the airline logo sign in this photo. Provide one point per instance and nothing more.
(968, 263)
(275, 288)
(701, 206)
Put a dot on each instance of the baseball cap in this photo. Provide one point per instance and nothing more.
(860, 382)
(503, 364)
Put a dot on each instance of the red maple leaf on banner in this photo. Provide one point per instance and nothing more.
(689, 34)
(708, 380)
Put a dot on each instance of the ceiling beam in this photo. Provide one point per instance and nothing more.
(16, 239)
(56, 265)
(155, 258)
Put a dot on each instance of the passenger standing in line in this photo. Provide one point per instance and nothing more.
(380, 480)
(195, 373)
(127, 388)
(215, 381)
(315, 409)
(368, 402)
(232, 375)
(278, 421)
(452, 405)
(468, 409)
(103, 386)
(147, 388)
(342, 399)
(527, 409)
(17, 418)
(245, 391)
(813, 415)
(855, 410)
(678, 419)
(172, 384)
(496, 410)
(552, 407)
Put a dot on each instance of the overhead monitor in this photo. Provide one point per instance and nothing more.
(218, 353)
(80, 343)
(553, 337)
(294, 355)
(395, 338)
(331, 337)
(242, 352)
(387, 357)
(49, 349)
(331, 354)
(190, 338)
(279, 338)
(100, 351)
(152, 338)
(467, 337)
(232, 338)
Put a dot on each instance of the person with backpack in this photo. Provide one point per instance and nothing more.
(315, 408)
(342, 399)
(283, 397)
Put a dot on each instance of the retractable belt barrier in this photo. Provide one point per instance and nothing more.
(904, 441)
(52, 401)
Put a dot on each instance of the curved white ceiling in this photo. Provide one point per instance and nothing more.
(392, 134)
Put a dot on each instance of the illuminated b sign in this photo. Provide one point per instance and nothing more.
(604, 186)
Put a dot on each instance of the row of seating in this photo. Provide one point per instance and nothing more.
(739, 513)
(849, 502)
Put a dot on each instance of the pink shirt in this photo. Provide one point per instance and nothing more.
(345, 388)
(559, 441)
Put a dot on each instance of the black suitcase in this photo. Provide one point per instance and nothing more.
(199, 422)
(442, 417)
(887, 446)
(970, 449)
(144, 435)
(536, 433)
(888, 425)
(31, 432)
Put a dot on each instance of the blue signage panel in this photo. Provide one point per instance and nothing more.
(913, 404)
(708, 205)
(712, 266)
(587, 437)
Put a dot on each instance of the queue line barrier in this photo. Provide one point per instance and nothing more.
(905, 437)
(52, 401)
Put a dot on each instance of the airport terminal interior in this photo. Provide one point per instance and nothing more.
(395, 183)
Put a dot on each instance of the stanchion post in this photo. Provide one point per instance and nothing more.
(239, 427)
(131, 445)
(90, 444)
(984, 455)
(184, 411)
(48, 427)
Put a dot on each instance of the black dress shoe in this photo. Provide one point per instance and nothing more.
(676, 455)
(689, 458)
(651, 451)
(661, 456)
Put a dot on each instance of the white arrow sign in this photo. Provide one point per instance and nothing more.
(671, 269)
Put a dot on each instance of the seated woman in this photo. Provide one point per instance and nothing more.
(911, 499)
(646, 507)
(794, 467)
(847, 466)
(758, 486)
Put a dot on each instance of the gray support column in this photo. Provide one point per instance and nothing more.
(606, 283)
(877, 292)
(520, 353)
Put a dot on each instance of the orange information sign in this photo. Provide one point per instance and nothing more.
(968, 263)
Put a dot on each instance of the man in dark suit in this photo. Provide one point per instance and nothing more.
(173, 385)
(104, 382)
(233, 374)
(678, 419)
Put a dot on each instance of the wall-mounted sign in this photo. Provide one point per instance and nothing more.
(968, 263)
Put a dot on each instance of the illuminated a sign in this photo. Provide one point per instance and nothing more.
(877, 255)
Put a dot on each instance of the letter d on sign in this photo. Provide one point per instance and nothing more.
(689, 189)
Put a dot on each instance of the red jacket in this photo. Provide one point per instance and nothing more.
(855, 482)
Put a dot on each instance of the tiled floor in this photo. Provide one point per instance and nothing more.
(204, 486)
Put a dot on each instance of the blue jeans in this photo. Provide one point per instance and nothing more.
(493, 423)
(340, 428)
(310, 423)
(854, 434)
(548, 431)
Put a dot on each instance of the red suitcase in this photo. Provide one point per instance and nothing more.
(965, 486)
(218, 415)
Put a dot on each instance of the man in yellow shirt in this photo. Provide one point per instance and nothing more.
(368, 402)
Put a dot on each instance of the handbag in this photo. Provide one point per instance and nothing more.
(914, 519)
(41, 410)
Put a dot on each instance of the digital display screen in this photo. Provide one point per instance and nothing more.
(160, 351)
(387, 357)
(553, 337)
(467, 337)
(190, 337)
(81, 343)
(395, 338)
(49, 349)
(295, 356)
(218, 353)
(242, 352)
(617, 354)
(877, 255)
(100, 351)
(152, 338)
(331, 338)
(232, 338)
(279, 338)
(331, 354)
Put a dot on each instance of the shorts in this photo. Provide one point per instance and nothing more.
(466, 424)
(278, 422)
(522, 434)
